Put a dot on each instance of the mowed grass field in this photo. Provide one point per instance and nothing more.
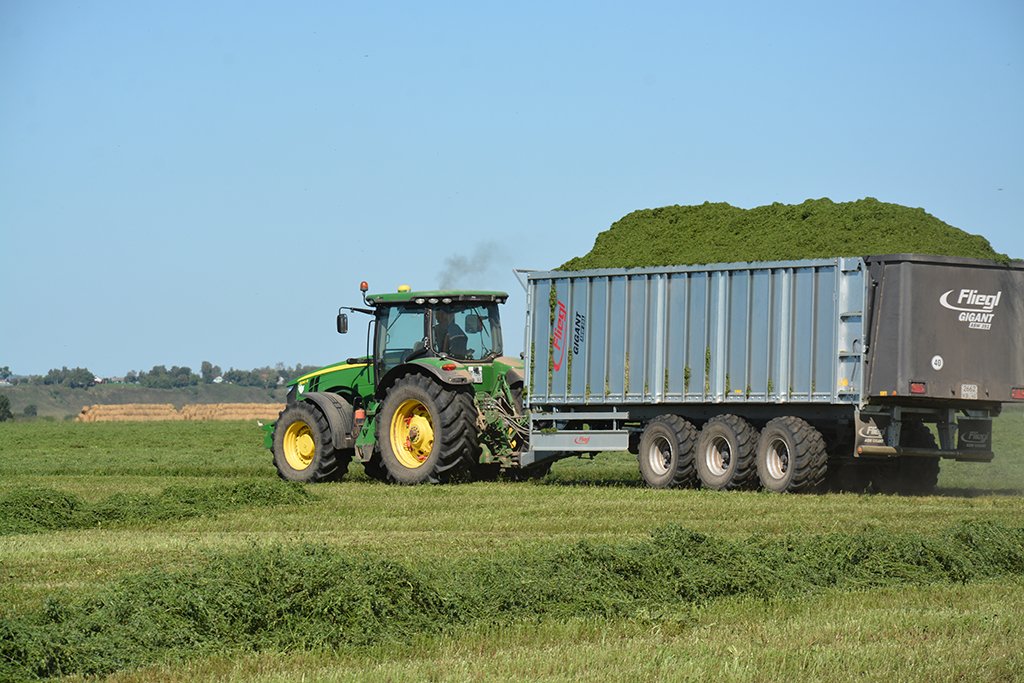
(171, 551)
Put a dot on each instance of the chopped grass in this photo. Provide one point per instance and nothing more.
(312, 597)
(940, 632)
(817, 228)
(34, 509)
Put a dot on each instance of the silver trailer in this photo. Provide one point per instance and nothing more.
(778, 373)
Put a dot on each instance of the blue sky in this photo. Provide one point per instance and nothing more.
(196, 181)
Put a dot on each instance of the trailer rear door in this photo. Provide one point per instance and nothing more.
(945, 328)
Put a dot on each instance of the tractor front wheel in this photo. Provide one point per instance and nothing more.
(303, 450)
(426, 431)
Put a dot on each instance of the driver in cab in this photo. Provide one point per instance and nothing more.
(449, 338)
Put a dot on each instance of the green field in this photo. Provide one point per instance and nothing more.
(171, 551)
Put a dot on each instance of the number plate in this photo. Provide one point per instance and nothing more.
(969, 391)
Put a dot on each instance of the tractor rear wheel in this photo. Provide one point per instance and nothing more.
(303, 450)
(666, 452)
(426, 431)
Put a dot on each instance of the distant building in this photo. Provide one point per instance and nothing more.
(218, 380)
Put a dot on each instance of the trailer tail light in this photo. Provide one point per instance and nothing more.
(1017, 394)
(918, 388)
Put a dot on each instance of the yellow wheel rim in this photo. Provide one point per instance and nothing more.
(299, 447)
(412, 434)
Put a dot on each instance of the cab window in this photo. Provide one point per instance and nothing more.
(466, 331)
(400, 336)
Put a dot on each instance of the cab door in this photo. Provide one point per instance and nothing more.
(400, 336)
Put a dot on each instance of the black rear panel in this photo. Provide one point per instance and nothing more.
(957, 325)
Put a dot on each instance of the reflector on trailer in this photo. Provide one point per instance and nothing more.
(1017, 393)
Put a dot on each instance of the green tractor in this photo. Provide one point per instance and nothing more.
(436, 400)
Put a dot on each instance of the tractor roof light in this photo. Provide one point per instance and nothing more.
(404, 288)
(364, 286)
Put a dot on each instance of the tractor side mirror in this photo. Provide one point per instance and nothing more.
(474, 324)
(342, 323)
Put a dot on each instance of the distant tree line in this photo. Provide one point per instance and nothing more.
(160, 377)
(76, 378)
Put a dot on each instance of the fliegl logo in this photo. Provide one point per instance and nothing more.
(558, 337)
(976, 309)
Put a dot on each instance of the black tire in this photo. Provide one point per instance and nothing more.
(910, 475)
(533, 472)
(851, 476)
(791, 456)
(374, 468)
(725, 453)
(488, 471)
(666, 452)
(450, 447)
(303, 450)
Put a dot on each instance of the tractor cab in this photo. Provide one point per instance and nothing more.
(463, 327)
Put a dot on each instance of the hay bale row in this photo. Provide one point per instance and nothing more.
(147, 412)
(129, 412)
(231, 411)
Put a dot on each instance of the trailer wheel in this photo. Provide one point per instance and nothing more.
(910, 475)
(666, 452)
(725, 453)
(426, 431)
(303, 450)
(848, 477)
(791, 456)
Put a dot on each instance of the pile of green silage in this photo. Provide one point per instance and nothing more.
(315, 597)
(817, 228)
